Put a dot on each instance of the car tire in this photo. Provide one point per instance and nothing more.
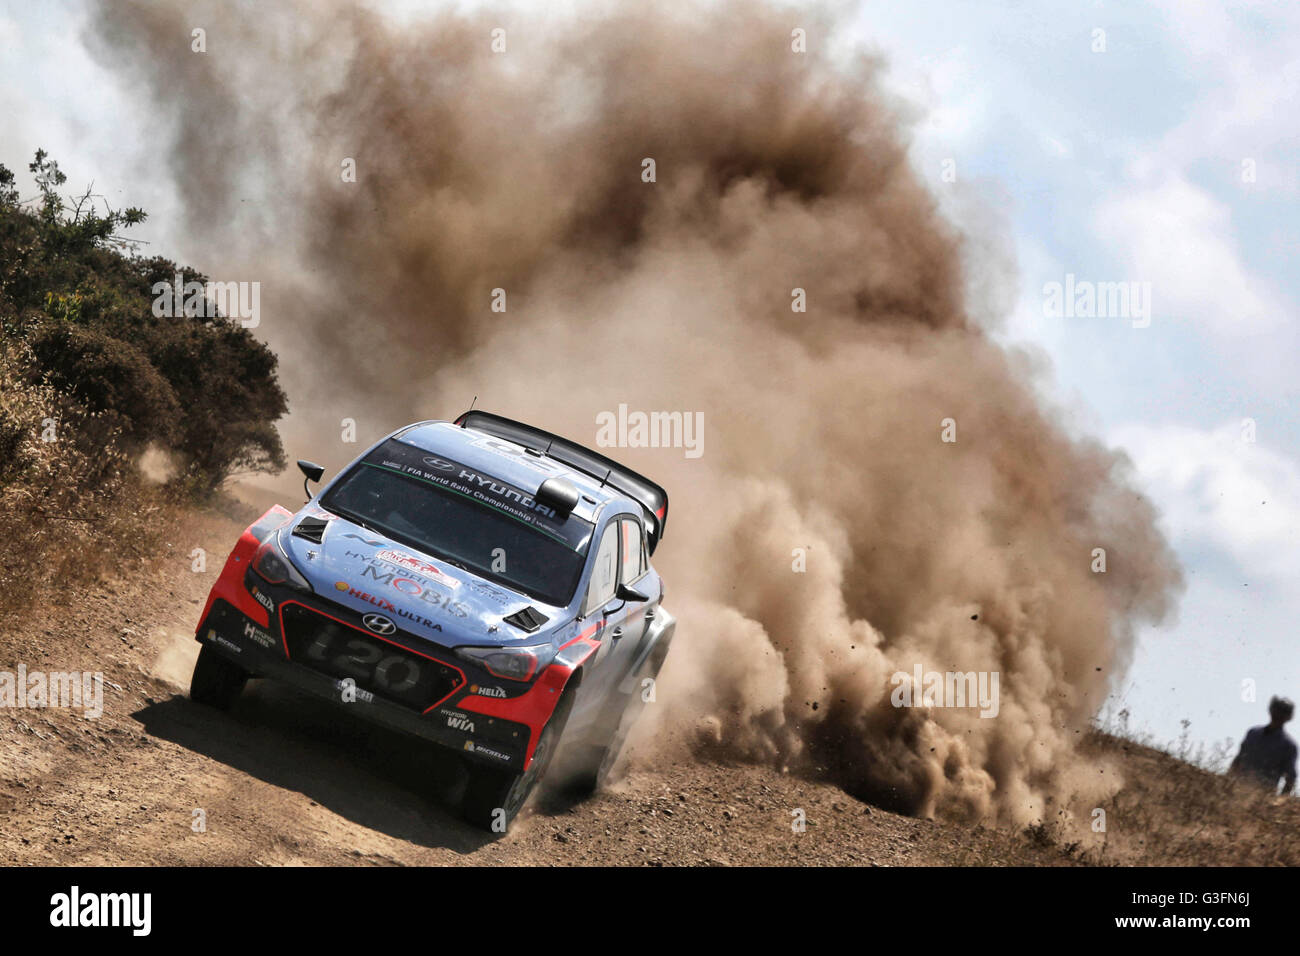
(493, 798)
(217, 681)
(588, 768)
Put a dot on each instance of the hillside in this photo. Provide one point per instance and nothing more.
(284, 781)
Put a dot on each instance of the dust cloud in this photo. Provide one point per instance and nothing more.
(828, 537)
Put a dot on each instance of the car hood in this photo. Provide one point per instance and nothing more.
(370, 573)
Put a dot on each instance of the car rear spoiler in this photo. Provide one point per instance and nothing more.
(652, 498)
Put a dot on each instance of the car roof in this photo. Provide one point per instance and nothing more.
(511, 463)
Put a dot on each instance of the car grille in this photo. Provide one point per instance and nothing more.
(377, 666)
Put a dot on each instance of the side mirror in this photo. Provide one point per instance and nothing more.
(626, 593)
(312, 472)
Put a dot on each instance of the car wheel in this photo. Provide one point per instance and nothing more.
(493, 798)
(588, 769)
(217, 681)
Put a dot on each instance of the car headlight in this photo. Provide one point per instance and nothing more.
(510, 663)
(272, 564)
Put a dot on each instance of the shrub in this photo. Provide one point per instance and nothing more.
(201, 388)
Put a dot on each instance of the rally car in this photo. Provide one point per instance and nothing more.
(482, 584)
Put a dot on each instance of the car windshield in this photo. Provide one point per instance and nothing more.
(525, 547)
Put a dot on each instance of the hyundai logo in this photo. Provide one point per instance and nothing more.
(379, 624)
(439, 464)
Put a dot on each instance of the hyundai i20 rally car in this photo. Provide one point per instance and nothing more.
(482, 584)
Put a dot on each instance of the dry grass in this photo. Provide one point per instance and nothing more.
(1178, 808)
(73, 507)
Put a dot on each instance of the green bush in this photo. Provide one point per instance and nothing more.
(79, 298)
(102, 373)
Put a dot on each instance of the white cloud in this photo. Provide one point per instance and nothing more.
(1221, 492)
(1250, 78)
(10, 37)
(1179, 238)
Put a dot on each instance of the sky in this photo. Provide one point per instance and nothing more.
(1171, 156)
(1155, 143)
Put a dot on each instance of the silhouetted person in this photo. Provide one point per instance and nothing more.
(1268, 753)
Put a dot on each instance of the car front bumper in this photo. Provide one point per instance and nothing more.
(485, 730)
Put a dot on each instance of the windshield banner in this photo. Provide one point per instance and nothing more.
(460, 479)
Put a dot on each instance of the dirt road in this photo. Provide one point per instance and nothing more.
(287, 779)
